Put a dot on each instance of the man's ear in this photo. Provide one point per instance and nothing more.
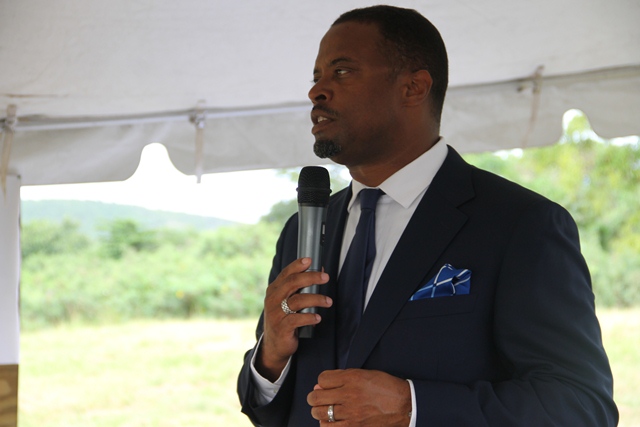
(417, 87)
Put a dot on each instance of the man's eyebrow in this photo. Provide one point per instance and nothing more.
(341, 59)
(336, 62)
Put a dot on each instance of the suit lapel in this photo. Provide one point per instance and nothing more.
(336, 218)
(434, 224)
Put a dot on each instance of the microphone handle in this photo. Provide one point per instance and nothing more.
(311, 222)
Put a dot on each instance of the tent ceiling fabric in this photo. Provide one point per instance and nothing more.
(94, 82)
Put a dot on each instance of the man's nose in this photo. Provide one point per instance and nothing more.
(319, 92)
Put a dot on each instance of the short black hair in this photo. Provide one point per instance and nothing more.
(414, 43)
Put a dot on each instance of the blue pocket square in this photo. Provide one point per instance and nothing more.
(448, 282)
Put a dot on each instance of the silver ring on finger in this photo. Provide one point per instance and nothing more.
(285, 307)
(330, 414)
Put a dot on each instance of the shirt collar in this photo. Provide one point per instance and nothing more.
(408, 183)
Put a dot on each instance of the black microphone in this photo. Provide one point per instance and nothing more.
(313, 198)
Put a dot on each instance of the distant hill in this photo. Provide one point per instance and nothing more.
(91, 214)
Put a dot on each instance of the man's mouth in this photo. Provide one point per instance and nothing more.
(322, 117)
(320, 123)
(318, 117)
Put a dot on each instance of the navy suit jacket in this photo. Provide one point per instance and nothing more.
(523, 348)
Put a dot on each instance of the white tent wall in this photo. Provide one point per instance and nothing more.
(528, 113)
(474, 119)
(9, 294)
(94, 82)
(233, 140)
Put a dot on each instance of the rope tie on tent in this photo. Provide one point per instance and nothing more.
(8, 129)
(536, 80)
(198, 118)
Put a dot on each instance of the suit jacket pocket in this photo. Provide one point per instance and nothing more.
(441, 306)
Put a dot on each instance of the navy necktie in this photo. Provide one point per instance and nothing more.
(355, 273)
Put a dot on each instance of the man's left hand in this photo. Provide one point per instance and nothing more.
(361, 398)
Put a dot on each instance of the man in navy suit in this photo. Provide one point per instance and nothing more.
(520, 345)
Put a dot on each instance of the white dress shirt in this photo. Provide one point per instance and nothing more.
(403, 192)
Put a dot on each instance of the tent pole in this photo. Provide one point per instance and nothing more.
(9, 302)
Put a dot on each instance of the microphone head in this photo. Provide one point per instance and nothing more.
(314, 186)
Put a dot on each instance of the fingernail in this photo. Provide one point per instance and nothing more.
(324, 276)
(329, 301)
(306, 261)
(318, 318)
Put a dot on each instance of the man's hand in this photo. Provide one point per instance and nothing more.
(280, 339)
(361, 398)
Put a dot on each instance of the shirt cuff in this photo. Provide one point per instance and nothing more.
(414, 410)
(265, 390)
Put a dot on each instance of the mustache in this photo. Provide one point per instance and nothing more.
(324, 109)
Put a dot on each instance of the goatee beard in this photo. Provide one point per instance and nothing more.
(326, 148)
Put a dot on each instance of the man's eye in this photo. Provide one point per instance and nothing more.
(338, 71)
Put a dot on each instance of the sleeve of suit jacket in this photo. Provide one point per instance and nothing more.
(546, 333)
(275, 413)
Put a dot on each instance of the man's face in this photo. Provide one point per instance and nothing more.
(356, 100)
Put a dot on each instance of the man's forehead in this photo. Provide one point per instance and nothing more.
(348, 42)
(351, 32)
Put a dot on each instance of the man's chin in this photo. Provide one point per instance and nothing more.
(326, 148)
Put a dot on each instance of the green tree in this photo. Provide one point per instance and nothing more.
(47, 237)
(239, 240)
(124, 234)
(280, 212)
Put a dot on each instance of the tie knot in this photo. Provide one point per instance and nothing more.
(369, 198)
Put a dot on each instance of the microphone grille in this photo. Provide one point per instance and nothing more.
(314, 186)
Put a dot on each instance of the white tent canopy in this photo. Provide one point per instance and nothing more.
(94, 82)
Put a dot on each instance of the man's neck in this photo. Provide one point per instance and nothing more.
(372, 175)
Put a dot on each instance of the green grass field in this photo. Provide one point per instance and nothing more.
(621, 336)
(183, 373)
